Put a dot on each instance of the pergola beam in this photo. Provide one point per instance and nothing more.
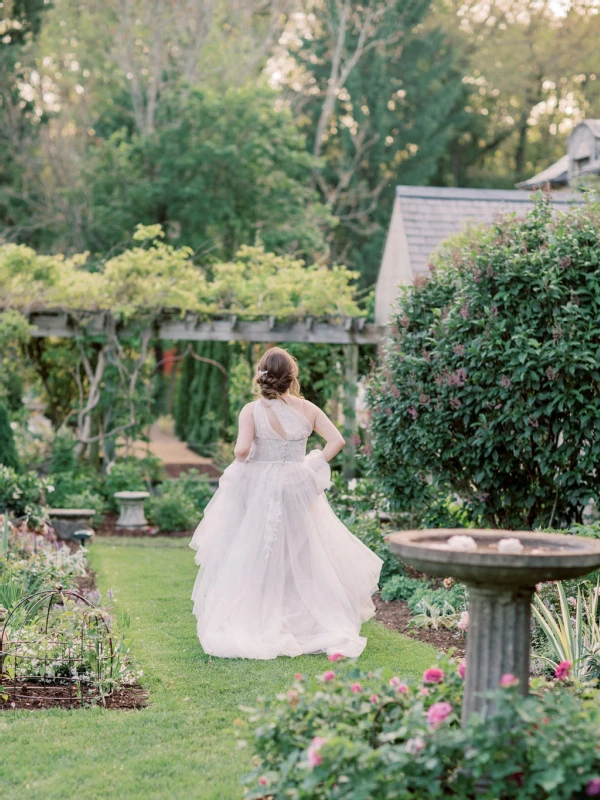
(190, 328)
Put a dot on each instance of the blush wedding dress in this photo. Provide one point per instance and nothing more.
(280, 575)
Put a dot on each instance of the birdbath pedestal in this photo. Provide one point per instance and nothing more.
(501, 586)
(132, 509)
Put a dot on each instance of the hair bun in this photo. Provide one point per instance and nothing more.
(277, 373)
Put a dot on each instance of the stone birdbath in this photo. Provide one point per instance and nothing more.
(132, 509)
(501, 570)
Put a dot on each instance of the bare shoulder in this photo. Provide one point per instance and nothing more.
(248, 409)
(309, 409)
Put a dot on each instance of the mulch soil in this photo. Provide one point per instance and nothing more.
(30, 696)
(108, 527)
(396, 615)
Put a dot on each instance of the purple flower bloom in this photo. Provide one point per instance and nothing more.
(424, 399)
(593, 787)
(551, 374)
(413, 412)
(459, 349)
(455, 402)
(505, 382)
(464, 311)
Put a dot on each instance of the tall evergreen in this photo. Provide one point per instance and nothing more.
(8, 450)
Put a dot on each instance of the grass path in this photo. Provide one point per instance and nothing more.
(182, 746)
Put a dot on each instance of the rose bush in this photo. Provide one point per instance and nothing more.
(371, 736)
(489, 388)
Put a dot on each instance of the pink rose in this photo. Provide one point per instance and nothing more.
(462, 669)
(508, 679)
(562, 670)
(356, 688)
(464, 621)
(395, 681)
(374, 698)
(424, 691)
(263, 780)
(593, 787)
(329, 675)
(336, 657)
(313, 754)
(298, 676)
(292, 694)
(433, 675)
(438, 713)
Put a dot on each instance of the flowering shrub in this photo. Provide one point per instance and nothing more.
(371, 735)
(23, 494)
(489, 387)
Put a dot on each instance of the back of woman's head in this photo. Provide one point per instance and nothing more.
(277, 374)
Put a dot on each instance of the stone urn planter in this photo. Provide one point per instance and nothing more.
(501, 578)
(131, 505)
(72, 524)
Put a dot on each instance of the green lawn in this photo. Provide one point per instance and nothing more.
(182, 745)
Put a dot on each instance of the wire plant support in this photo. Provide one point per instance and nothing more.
(83, 661)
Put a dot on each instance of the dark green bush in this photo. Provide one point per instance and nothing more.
(8, 450)
(179, 504)
(400, 587)
(490, 383)
(130, 475)
(23, 494)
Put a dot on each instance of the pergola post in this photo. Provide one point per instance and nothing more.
(350, 393)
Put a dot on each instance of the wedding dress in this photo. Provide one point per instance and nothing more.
(279, 573)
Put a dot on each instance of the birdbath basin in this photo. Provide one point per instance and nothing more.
(132, 509)
(501, 586)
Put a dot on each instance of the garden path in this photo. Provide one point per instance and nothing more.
(175, 454)
(182, 747)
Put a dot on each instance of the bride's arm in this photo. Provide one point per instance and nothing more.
(245, 433)
(325, 428)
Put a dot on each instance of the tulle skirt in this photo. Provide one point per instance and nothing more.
(279, 573)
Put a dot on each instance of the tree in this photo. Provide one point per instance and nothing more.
(489, 387)
(532, 72)
(376, 94)
(8, 450)
(221, 171)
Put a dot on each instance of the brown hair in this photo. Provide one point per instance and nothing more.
(277, 373)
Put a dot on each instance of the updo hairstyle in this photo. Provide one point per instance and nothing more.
(277, 373)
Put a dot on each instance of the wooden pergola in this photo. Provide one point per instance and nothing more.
(172, 325)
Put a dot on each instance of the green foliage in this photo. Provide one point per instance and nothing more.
(228, 169)
(361, 735)
(571, 629)
(399, 587)
(23, 494)
(179, 504)
(14, 333)
(130, 474)
(8, 451)
(148, 278)
(489, 384)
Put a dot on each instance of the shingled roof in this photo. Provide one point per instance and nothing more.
(424, 216)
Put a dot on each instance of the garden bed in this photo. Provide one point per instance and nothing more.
(33, 697)
(397, 615)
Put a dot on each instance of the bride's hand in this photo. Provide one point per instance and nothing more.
(320, 468)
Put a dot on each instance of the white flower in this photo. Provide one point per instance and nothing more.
(414, 746)
(464, 544)
(512, 546)
(352, 484)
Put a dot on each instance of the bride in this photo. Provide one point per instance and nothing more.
(280, 575)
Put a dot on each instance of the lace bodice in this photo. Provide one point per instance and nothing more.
(280, 432)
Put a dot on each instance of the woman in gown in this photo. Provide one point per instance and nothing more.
(280, 575)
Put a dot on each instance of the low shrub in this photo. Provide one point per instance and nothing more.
(179, 504)
(130, 475)
(370, 735)
(400, 587)
(23, 494)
